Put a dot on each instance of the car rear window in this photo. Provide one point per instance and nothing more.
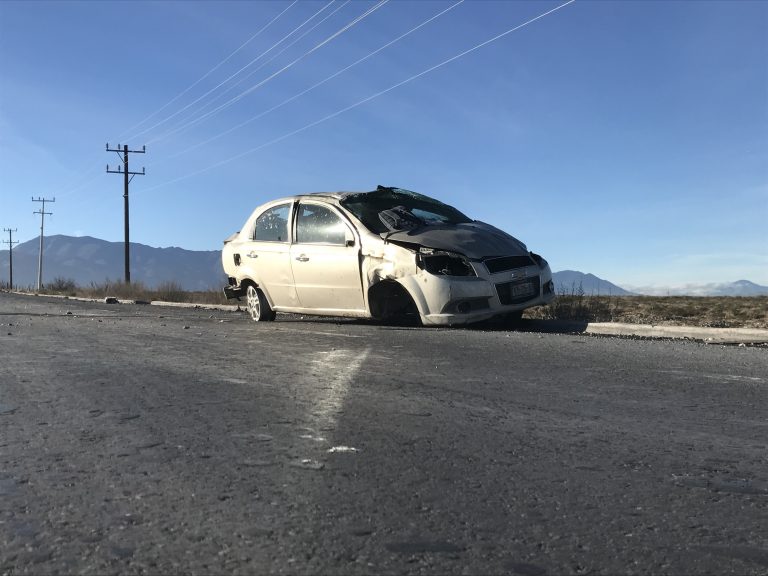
(272, 225)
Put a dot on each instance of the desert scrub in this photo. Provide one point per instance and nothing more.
(59, 285)
(170, 291)
(573, 304)
(705, 311)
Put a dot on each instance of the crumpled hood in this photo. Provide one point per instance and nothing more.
(475, 240)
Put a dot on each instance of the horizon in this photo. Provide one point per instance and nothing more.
(688, 289)
(627, 139)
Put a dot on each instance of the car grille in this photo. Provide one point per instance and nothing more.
(504, 263)
(518, 291)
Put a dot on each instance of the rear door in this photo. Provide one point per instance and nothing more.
(325, 260)
(267, 255)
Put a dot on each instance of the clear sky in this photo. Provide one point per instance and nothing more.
(627, 139)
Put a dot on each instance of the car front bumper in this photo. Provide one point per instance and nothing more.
(451, 300)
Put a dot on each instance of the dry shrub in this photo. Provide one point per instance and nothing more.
(704, 311)
(171, 291)
(60, 285)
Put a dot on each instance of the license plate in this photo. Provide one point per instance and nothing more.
(524, 289)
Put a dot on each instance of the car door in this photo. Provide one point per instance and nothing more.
(267, 256)
(325, 260)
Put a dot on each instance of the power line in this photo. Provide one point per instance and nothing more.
(75, 187)
(280, 71)
(239, 82)
(10, 243)
(329, 78)
(204, 76)
(363, 101)
(195, 101)
(127, 177)
(82, 183)
(42, 213)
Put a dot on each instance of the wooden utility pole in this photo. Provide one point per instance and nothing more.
(42, 213)
(127, 177)
(10, 243)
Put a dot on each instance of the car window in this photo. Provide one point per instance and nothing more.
(317, 224)
(272, 225)
(367, 206)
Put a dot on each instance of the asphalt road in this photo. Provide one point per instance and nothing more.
(138, 439)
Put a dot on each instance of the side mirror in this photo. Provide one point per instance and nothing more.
(350, 242)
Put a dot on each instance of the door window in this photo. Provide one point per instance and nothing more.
(272, 225)
(317, 224)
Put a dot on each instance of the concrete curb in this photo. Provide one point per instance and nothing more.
(713, 335)
(224, 307)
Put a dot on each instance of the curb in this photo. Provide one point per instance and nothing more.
(709, 335)
(224, 307)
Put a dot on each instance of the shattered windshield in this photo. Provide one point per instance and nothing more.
(367, 206)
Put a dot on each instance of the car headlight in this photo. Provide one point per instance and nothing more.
(442, 263)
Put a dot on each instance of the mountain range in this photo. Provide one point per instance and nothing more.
(89, 260)
(85, 260)
(738, 288)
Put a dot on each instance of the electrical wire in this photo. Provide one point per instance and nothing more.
(229, 89)
(328, 79)
(195, 101)
(275, 74)
(358, 103)
(78, 185)
(204, 76)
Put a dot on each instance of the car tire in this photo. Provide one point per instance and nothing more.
(257, 305)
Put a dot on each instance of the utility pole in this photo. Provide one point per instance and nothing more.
(10, 243)
(42, 213)
(127, 177)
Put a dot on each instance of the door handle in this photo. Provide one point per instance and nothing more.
(302, 258)
(252, 255)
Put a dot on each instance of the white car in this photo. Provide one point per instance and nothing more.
(390, 254)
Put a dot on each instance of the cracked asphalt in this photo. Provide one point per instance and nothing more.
(145, 440)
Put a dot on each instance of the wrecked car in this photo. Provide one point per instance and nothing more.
(389, 254)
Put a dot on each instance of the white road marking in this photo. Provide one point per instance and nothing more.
(319, 333)
(328, 383)
(336, 369)
(333, 449)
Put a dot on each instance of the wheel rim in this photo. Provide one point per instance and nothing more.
(254, 304)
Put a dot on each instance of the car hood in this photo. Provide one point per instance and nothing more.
(475, 240)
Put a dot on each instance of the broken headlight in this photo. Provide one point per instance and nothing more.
(442, 263)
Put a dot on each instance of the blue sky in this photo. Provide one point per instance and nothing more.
(627, 139)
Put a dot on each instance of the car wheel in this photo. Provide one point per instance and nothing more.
(257, 304)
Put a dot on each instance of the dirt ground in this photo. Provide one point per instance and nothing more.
(713, 312)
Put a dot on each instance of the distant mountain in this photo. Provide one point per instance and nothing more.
(738, 288)
(571, 281)
(85, 260)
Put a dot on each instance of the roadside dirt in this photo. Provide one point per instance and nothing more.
(707, 312)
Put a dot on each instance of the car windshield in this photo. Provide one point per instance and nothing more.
(367, 206)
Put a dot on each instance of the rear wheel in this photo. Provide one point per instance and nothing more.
(257, 305)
